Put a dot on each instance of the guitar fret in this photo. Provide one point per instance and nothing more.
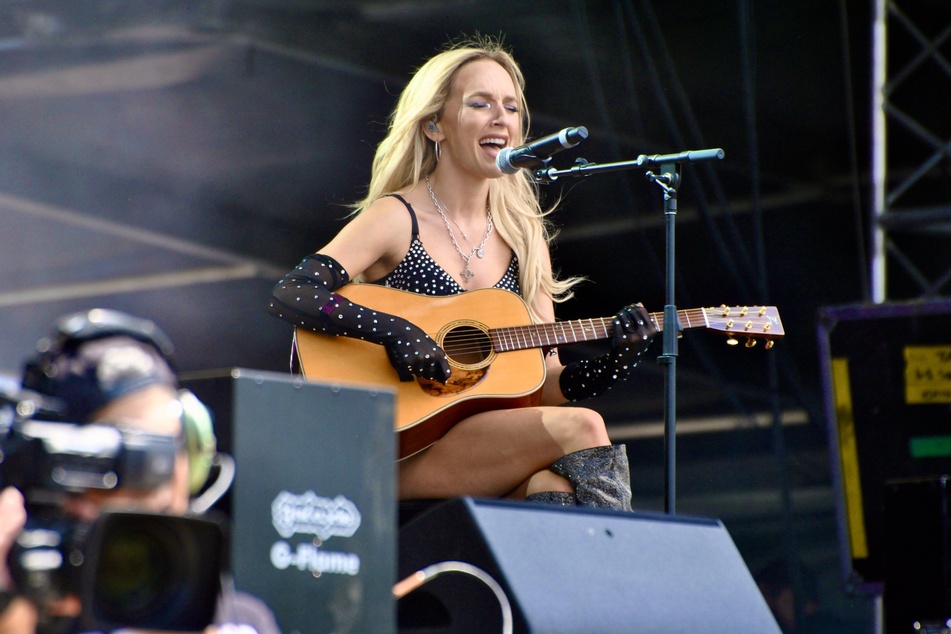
(553, 333)
(549, 334)
(513, 338)
(506, 338)
(529, 337)
(523, 339)
(547, 330)
(509, 338)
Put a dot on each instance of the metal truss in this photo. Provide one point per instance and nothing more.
(911, 150)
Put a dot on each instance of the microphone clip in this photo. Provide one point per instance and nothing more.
(547, 175)
(668, 179)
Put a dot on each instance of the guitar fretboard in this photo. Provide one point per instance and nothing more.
(578, 330)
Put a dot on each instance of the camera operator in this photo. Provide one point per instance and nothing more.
(109, 368)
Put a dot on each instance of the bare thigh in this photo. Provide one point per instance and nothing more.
(493, 453)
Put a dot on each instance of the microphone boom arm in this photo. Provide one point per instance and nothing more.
(584, 168)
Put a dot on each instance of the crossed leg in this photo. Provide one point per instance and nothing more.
(504, 453)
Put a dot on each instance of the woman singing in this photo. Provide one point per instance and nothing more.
(440, 218)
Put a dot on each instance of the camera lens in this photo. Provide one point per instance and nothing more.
(151, 571)
(142, 570)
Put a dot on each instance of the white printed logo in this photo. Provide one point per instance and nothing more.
(312, 514)
(307, 556)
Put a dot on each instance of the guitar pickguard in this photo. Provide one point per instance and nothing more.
(460, 381)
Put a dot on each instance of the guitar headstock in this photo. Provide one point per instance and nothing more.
(749, 322)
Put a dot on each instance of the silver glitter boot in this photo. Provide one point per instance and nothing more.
(601, 476)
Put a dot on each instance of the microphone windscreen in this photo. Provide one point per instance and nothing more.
(503, 162)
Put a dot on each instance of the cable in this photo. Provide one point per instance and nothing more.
(415, 580)
(219, 487)
(853, 153)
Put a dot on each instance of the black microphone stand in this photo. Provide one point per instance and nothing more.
(668, 180)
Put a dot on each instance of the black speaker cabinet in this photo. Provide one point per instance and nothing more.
(886, 380)
(313, 505)
(918, 561)
(576, 571)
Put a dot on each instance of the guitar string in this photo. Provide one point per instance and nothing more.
(584, 325)
(574, 327)
(546, 332)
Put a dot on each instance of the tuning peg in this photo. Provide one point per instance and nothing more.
(750, 343)
(731, 341)
(769, 344)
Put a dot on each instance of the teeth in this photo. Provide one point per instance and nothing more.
(492, 142)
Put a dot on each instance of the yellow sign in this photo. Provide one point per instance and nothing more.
(927, 375)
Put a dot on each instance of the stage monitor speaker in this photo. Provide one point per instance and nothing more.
(576, 571)
(886, 381)
(917, 593)
(313, 505)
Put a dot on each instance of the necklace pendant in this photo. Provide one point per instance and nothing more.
(480, 252)
(467, 274)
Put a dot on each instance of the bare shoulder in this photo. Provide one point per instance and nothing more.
(374, 239)
(387, 222)
(388, 209)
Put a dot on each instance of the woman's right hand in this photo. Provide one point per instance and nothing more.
(414, 353)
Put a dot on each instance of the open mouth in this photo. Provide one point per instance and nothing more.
(496, 143)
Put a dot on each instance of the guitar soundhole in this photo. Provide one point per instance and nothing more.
(469, 351)
(467, 345)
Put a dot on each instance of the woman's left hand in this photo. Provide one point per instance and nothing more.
(633, 333)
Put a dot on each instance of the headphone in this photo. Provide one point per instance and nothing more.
(98, 323)
(432, 127)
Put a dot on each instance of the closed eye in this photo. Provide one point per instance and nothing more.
(485, 104)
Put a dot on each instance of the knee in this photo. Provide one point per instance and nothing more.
(586, 429)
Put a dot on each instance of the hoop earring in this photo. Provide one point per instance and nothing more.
(438, 152)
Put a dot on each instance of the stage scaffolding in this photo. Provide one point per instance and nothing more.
(911, 147)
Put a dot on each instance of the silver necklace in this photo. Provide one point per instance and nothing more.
(479, 250)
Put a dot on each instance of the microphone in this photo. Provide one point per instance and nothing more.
(535, 154)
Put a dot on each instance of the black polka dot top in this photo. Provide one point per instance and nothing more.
(419, 273)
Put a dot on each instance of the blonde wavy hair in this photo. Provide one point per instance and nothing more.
(406, 155)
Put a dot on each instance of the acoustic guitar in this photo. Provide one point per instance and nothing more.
(496, 354)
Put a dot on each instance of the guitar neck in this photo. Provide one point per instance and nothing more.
(577, 330)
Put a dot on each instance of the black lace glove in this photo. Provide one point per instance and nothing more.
(305, 297)
(633, 333)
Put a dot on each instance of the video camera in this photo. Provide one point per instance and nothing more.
(129, 569)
